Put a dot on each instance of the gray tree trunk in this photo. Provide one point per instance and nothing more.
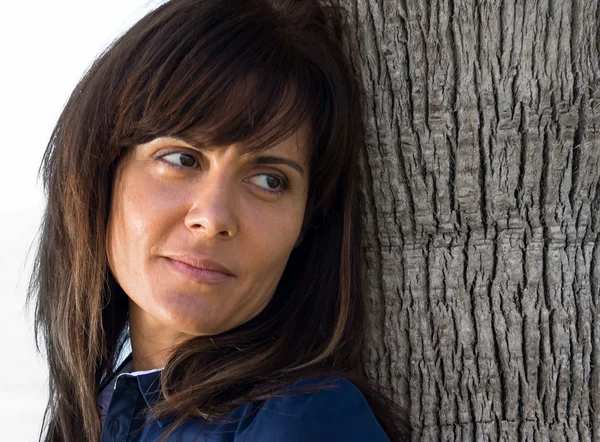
(483, 213)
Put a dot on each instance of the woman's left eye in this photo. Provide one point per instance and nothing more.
(270, 183)
(180, 159)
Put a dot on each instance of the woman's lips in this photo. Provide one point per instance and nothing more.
(200, 275)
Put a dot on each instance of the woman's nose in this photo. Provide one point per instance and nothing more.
(212, 211)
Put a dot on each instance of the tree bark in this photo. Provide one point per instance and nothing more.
(482, 190)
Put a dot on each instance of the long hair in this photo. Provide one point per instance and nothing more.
(216, 72)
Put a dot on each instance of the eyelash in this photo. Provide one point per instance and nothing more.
(285, 186)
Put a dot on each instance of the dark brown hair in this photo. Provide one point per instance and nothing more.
(215, 72)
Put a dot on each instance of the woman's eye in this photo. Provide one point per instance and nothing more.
(270, 183)
(180, 159)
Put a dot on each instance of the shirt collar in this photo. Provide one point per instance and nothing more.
(148, 383)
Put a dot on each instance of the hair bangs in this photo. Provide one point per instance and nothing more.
(233, 79)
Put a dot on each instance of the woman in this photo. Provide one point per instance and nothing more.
(203, 203)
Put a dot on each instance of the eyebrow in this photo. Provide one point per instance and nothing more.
(271, 159)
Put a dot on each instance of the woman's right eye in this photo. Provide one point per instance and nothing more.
(180, 159)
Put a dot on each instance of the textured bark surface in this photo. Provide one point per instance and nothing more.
(483, 213)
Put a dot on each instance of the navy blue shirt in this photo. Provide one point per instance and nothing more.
(337, 413)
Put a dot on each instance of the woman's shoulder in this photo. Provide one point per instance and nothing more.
(316, 409)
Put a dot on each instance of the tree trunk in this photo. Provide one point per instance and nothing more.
(482, 191)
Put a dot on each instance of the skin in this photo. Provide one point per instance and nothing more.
(171, 199)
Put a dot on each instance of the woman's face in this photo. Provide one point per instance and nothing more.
(198, 239)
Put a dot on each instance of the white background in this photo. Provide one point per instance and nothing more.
(45, 47)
